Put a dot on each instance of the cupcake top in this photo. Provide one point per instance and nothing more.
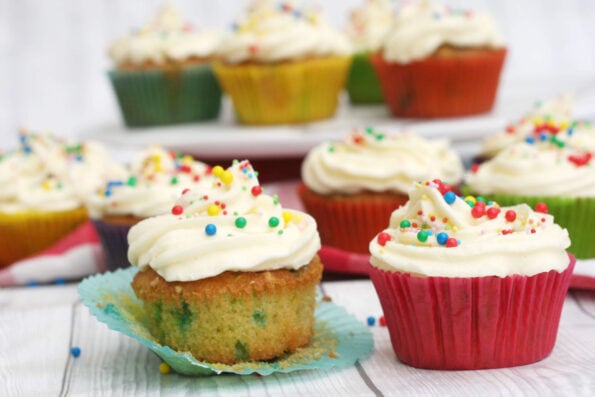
(151, 186)
(420, 28)
(369, 24)
(166, 39)
(277, 32)
(440, 234)
(542, 166)
(48, 174)
(369, 160)
(553, 116)
(230, 225)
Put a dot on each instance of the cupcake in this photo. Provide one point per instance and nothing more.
(43, 184)
(351, 187)
(163, 73)
(466, 284)
(228, 275)
(544, 169)
(440, 62)
(282, 64)
(367, 28)
(553, 116)
(151, 186)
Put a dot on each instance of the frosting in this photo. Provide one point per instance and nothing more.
(275, 33)
(543, 166)
(151, 186)
(420, 28)
(368, 160)
(165, 38)
(439, 234)
(554, 115)
(47, 174)
(230, 225)
(369, 24)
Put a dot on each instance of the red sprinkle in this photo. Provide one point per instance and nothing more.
(478, 211)
(196, 178)
(532, 230)
(493, 212)
(541, 207)
(474, 167)
(256, 190)
(383, 238)
(185, 168)
(185, 191)
(506, 231)
(510, 129)
(580, 159)
(510, 215)
(177, 210)
(382, 321)
(420, 212)
(451, 242)
(358, 139)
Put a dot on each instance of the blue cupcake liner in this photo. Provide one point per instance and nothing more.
(339, 338)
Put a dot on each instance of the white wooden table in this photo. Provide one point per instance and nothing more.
(39, 325)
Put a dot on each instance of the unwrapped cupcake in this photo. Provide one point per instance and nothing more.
(283, 64)
(544, 169)
(43, 185)
(467, 284)
(163, 73)
(228, 275)
(351, 186)
(440, 62)
(367, 27)
(153, 183)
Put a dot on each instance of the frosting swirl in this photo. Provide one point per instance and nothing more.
(420, 28)
(166, 38)
(373, 161)
(546, 167)
(272, 33)
(438, 234)
(228, 226)
(154, 182)
(369, 24)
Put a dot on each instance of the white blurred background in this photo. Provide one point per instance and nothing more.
(53, 58)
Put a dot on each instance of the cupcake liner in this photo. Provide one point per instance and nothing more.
(576, 214)
(289, 92)
(441, 86)
(114, 241)
(472, 323)
(363, 86)
(350, 223)
(339, 339)
(160, 97)
(26, 233)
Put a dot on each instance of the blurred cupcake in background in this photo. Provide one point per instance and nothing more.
(351, 187)
(440, 62)
(553, 117)
(43, 185)
(283, 64)
(163, 72)
(367, 27)
(151, 186)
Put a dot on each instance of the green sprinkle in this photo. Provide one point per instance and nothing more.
(131, 181)
(174, 180)
(241, 222)
(379, 137)
(480, 198)
(470, 203)
(242, 353)
(280, 232)
(405, 223)
(273, 221)
(422, 236)
(331, 149)
(369, 130)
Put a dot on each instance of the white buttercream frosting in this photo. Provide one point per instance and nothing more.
(154, 182)
(440, 236)
(369, 23)
(281, 32)
(543, 168)
(554, 115)
(166, 38)
(420, 28)
(48, 174)
(228, 226)
(369, 160)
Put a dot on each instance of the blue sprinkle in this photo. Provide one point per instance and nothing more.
(450, 197)
(371, 321)
(210, 229)
(543, 136)
(79, 158)
(429, 232)
(75, 351)
(442, 238)
(108, 192)
(32, 283)
(59, 281)
(570, 131)
(23, 138)
(530, 140)
(26, 149)
(115, 183)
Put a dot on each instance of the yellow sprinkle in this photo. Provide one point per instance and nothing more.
(156, 158)
(564, 125)
(187, 160)
(217, 170)
(287, 216)
(46, 185)
(424, 196)
(537, 121)
(471, 198)
(213, 210)
(158, 167)
(226, 177)
(164, 368)
(455, 229)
